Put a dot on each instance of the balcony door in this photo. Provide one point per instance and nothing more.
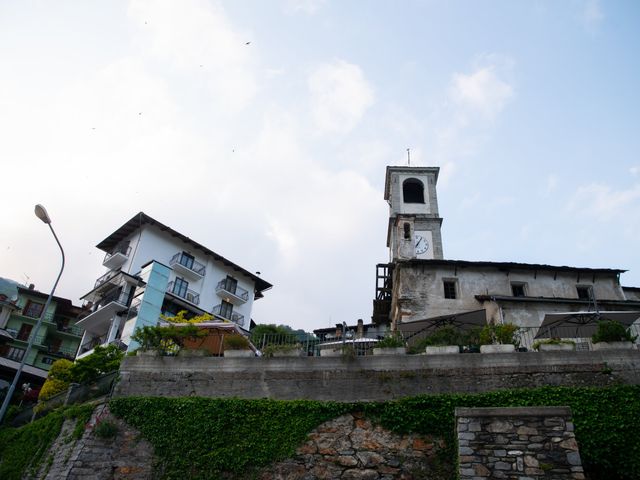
(230, 284)
(180, 287)
(24, 332)
(226, 309)
(187, 260)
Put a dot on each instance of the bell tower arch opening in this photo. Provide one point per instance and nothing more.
(412, 191)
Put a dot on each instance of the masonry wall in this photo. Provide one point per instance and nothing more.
(531, 443)
(372, 378)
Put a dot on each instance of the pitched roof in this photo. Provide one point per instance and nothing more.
(141, 218)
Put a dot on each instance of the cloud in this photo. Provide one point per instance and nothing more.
(195, 37)
(635, 170)
(481, 91)
(308, 7)
(603, 203)
(340, 95)
(591, 14)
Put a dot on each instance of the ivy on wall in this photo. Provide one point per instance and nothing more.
(231, 438)
(211, 438)
(22, 449)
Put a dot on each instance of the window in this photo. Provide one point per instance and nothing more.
(449, 289)
(15, 354)
(25, 330)
(584, 292)
(187, 260)
(518, 290)
(407, 231)
(180, 287)
(33, 309)
(48, 360)
(413, 191)
(230, 284)
(226, 309)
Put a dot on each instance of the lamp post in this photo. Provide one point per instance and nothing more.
(42, 214)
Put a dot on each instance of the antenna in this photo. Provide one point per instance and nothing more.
(408, 157)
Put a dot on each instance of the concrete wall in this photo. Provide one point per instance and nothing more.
(371, 378)
(419, 293)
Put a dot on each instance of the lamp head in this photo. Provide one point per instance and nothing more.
(42, 214)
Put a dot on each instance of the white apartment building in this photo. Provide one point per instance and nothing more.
(153, 269)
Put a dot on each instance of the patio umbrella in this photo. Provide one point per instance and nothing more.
(580, 324)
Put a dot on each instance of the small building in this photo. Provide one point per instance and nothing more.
(152, 270)
(419, 284)
(58, 336)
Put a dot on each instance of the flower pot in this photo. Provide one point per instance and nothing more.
(613, 345)
(188, 352)
(390, 351)
(556, 347)
(330, 352)
(498, 348)
(147, 353)
(442, 350)
(238, 353)
(296, 352)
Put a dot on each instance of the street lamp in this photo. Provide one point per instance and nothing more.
(42, 214)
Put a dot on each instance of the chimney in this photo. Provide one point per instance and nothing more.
(338, 330)
(360, 333)
(32, 286)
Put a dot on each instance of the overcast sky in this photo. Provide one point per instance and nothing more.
(262, 129)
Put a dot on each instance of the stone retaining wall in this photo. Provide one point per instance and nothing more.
(530, 443)
(371, 378)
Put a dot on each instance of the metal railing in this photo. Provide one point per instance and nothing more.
(70, 329)
(234, 317)
(232, 288)
(106, 277)
(119, 297)
(182, 292)
(93, 343)
(124, 250)
(188, 262)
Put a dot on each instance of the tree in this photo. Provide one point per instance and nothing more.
(102, 360)
(58, 379)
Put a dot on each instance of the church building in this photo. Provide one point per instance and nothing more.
(419, 284)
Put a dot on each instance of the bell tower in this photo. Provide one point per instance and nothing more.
(414, 221)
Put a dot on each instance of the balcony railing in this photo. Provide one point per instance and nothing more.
(70, 329)
(189, 263)
(232, 288)
(119, 297)
(182, 292)
(106, 277)
(117, 257)
(223, 313)
(67, 353)
(93, 343)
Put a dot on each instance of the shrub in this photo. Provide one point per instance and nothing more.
(166, 339)
(393, 340)
(447, 335)
(236, 342)
(102, 360)
(612, 331)
(503, 333)
(269, 350)
(51, 388)
(58, 379)
(551, 341)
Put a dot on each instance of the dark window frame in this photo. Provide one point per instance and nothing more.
(450, 289)
(585, 292)
(412, 191)
(31, 305)
(518, 289)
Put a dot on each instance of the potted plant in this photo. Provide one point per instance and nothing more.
(283, 350)
(612, 335)
(554, 344)
(392, 344)
(237, 346)
(445, 340)
(498, 338)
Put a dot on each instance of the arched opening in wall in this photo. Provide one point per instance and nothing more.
(412, 191)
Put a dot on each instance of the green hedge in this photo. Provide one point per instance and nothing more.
(211, 438)
(22, 449)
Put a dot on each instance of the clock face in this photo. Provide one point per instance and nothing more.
(422, 245)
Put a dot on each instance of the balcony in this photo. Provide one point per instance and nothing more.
(109, 306)
(236, 318)
(182, 292)
(48, 317)
(68, 353)
(105, 278)
(117, 257)
(187, 266)
(231, 292)
(69, 329)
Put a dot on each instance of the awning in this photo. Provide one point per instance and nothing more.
(580, 324)
(461, 320)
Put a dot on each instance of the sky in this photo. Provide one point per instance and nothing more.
(261, 129)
